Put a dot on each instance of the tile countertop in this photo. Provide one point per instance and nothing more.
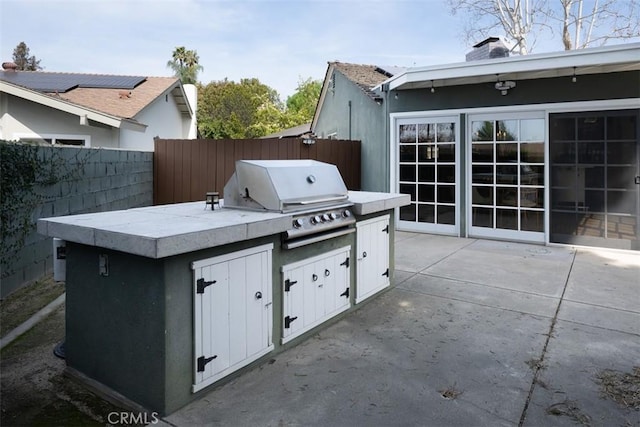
(167, 230)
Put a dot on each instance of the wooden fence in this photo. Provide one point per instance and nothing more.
(185, 169)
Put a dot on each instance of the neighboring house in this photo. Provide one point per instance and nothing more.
(110, 111)
(540, 148)
(294, 132)
(348, 108)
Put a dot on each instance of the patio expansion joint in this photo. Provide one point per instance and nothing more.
(448, 256)
(539, 365)
(400, 288)
(500, 288)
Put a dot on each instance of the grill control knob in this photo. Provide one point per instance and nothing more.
(325, 217)
(316, 219)
(333, 216)
(346, 213)
(299, 222)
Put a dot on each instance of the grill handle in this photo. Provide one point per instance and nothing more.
(314, 201)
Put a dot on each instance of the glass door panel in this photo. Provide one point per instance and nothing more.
(507, 177)
(594, 164)
(427, 171)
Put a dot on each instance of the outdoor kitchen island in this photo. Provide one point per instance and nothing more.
(164, 301)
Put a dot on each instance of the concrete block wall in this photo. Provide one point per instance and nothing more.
(106, 180)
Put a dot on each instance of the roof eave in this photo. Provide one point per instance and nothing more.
(585, 61)
(83, 113)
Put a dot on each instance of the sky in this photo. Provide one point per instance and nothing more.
(278, 42)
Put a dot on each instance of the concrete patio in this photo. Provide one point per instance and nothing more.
(476, 332)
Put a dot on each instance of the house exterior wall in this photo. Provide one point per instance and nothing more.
(541, 98)
(163, 119)
(362, 119)
(527, 92)
(20, 118)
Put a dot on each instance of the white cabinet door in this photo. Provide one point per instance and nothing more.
(232, 312)
(314, 290)
(372, 256)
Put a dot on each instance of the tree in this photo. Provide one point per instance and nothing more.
(303, 103)
(22, 59)
(521, 21)
(597, 22)
(185, 65)
(227, 109)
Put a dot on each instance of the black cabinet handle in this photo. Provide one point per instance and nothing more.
(258, 295)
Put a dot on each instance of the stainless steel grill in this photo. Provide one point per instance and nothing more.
(313, 191)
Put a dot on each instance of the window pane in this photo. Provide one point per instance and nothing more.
(408, 213)
(447, 153)
(446, 132)
(532, 153)
(482, 217)
(507, 174)
(447, 173)
(590, 128)
(482, 131)
(563, 152)
(426, 133)
(591, 152)
(507, 196)
(563, 176)
(622, 227)
(446, 215)
(446, 194)
(594, 177)
(594, 200)
(621, 177)
(426, 193)
(507, 219)
(621, 202)
(506, 130)
(407, 153)
(409, 189)
(482, 153)
(532, 130)
(621, 127)
(426, 153)
(531, 197)
(408, 173)
(482, 174)
(506, 152)
(621, 153)
(426, 213)
(482, 195)
(407, 133)
(426, 173)
(531, 221)
(589, 225)
(531, 175)
(562, 129)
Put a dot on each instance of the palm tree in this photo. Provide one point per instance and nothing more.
(184, 64)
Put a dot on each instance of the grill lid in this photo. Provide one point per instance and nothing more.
(284, 185)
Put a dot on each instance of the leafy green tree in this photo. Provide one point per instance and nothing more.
(250, 109)
(227, 109)
(185, 65)
(23, 60)
(301, 106)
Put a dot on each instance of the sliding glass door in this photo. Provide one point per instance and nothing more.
(595, 178)
(507, 171)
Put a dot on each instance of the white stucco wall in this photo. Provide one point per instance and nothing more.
(163, 119)
(21, 118)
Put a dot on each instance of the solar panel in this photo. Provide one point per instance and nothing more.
(63, 82)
